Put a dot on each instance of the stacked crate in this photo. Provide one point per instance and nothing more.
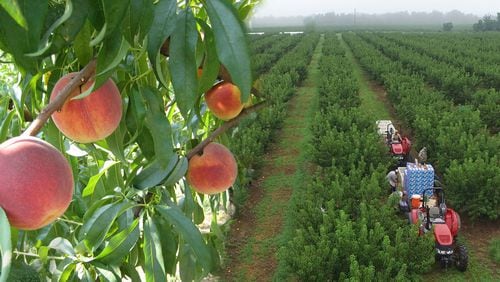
(417, 178)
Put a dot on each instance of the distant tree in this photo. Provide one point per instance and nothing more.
(447, 26)
(487, 23)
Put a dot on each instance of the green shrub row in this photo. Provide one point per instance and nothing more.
(264, 59)
(457, 83)
(456, 138)
(340, 225)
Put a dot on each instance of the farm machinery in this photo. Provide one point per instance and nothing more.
(399, 146)
(424, 202)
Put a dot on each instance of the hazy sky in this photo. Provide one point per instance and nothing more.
(308, 7)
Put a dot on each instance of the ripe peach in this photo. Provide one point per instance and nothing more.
(214, 171)
(36, 183)
(224, 100)
(91, 118)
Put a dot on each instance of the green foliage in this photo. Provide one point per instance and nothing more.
(340, 227)
(494, 250)
(133, 211)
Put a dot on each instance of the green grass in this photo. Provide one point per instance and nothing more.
(369, 101)
(494, 250)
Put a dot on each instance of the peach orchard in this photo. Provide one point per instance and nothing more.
(111, 151)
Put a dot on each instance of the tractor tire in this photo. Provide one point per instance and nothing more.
(461, 257)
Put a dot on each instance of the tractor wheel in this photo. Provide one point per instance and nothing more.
(461, 257)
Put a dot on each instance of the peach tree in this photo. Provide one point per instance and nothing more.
(132, 214)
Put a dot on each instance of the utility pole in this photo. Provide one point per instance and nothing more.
(354, 16)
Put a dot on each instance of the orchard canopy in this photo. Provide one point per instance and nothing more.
(133, 214)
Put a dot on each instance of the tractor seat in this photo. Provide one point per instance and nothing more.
(435, 215)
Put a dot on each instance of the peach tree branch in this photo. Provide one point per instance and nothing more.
(83, 76)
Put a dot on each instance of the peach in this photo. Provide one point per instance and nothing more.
(36, 183)
(91, 118)
(214, 171)
(224, 100)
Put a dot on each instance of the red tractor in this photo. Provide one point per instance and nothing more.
(398, 146)
(433, 215)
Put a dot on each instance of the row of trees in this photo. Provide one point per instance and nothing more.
(462, 78)
(340, 225)
(459, 146)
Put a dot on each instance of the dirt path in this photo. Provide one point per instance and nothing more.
(253, 239)
(477, 235)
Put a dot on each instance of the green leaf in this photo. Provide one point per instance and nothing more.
(163, 25)
(138, 20)
(84, 52)
(114, 12)
(189, 232)
(178, 172)
(12, 8)
(68, 270)
(158, 126)
(115, 142)
(136, 112)
(45, 44)
(155, 173)
(62, 245)
(89, 189)
(19, 41)
(153, 259)
(169, 244)
(182, 61)
(211, 63)
(4, 128)
(120, 245)
(5, 246)
(111, 54)
(95, 229)
(187, 264)
(107, 273)
(231, 44)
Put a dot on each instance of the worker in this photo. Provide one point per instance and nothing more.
(396, 137)
(392, 178)
(422, 156)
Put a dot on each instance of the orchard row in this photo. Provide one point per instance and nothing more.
(460, 71)
(339, 224)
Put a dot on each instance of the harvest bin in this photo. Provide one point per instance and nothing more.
(417, 178)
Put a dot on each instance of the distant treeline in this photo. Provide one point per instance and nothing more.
(363, 19)
(487, 23)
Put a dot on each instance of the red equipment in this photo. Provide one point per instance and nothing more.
(445, 224)
(399, 146)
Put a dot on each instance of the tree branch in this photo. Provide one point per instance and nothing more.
(223, 128)
(83, 76)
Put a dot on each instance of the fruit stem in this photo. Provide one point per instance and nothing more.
(82, 77)
(230, 123)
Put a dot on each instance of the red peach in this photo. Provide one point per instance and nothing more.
(36, 184)
(224, 100)
(91, 118)
(214, 171)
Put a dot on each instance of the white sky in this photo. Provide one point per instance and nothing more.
(308, 7)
